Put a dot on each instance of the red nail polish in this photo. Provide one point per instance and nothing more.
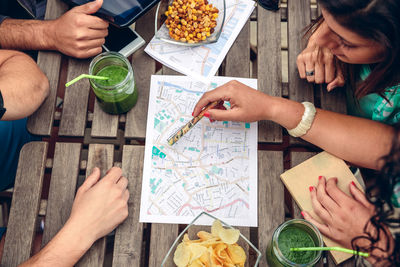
(320, 177)
(353, 183)
(311, 188)
(206, 114)
(192, 113)
(302, 214)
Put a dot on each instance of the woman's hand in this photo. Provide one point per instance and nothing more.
(343, 217)
(100, 205)
(247, 104)
(318, 64)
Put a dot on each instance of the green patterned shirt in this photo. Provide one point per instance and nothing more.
(377, 108)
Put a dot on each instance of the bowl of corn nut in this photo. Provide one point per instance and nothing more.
(190, 22)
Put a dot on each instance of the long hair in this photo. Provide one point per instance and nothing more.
(380, 193)
(377, 20)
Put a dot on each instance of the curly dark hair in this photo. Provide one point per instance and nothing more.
(380, 193)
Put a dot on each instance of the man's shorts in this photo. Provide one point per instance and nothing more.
(13, 135)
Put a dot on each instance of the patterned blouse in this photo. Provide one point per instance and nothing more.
(376, 108)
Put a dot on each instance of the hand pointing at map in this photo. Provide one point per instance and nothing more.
(247, 104)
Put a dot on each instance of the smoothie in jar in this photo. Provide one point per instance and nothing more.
(292, 234)
(118, 94)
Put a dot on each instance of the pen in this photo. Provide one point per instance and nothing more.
(175, 137)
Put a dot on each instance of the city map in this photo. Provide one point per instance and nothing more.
(212, 168)
(202, 62)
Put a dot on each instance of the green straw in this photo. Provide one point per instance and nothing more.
(350, 251)
(85, 76)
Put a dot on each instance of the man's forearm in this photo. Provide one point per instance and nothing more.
(26, 34)
(64, 250)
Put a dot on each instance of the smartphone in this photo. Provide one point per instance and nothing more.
(122, 40)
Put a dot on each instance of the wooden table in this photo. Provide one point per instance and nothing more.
(87, 137)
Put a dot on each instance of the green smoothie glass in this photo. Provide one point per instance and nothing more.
(294, 233)
(118, 94)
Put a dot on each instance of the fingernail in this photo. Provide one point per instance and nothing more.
(311, 188)
(211, 120)
(320, 177)
(302, 214)
(192, 113)
(206, 114)
(353, 183)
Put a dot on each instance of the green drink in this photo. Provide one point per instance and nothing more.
(115, 73)
(118, 94)
(292, 234)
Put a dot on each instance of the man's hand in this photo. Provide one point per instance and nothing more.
(100, 206)
(78, 33)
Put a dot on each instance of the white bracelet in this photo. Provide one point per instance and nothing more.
(306, 120)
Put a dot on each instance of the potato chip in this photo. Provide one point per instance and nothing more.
(182, 255)
(229, 236)
(196, 251)
(215, 249)
(196, 263)
(216, 228)
(205, 259)
(203, 235)
(215, 261)
(237, 254)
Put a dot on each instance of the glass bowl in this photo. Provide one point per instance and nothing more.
(162, 32)
(203, 222)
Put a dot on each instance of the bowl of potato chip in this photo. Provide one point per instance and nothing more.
(190, 22)
(208, 241)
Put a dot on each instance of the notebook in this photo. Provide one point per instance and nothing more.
(298, 180)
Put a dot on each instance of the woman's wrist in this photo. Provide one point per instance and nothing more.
(287, 113)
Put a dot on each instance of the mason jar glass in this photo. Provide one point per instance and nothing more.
(118, 94)
(294, 233)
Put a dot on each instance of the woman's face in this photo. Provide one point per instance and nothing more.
(346, 45)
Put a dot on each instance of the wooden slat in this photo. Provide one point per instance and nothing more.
(269, 67)
(299, 16)
(239, 52)
(104, 124)
(25, 204)
(129, 235)
(41, 121)
(162, 237)
(101, 156)
(73, 117)
(270, 197)
(62, 188)
(143, 66)
(334, 100)
(162, 234)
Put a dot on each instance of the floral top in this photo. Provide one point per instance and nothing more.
(377, 108)
(374, 106)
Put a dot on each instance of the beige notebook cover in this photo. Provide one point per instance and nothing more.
(298, 180)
